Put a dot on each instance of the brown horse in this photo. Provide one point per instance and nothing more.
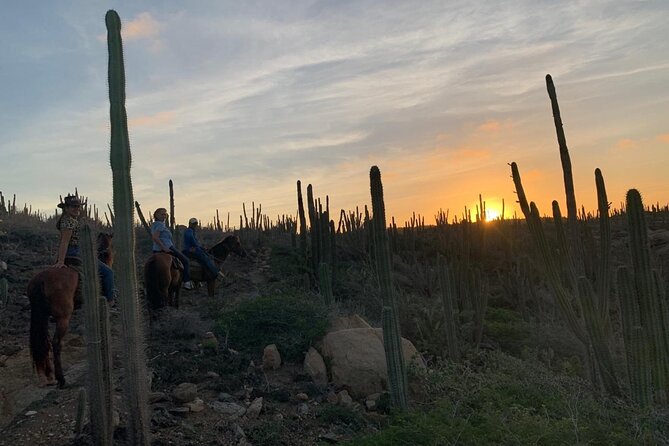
(162, 280)
(53, 292)
(219, 252)
(105, 250)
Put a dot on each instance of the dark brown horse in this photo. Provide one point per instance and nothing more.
(105, 250)
(219, 252)
(53, 292)
(162, 281)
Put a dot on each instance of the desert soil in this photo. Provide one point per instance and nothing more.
(32, 414)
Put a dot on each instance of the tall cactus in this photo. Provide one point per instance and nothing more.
(98, 345)
(133, 337)
(303, 222)
(392, 340)
(644, 313)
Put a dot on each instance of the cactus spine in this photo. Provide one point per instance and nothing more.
(392, 340)
(645, 313)
(98, 345)
(133, 338)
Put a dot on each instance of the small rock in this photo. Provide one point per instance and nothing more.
(278, 417)
(344, 399)
(370, 404)
(226, 397)
(3, 360)
(31, 413)
(332, 398)
(329, 437)
(303, 409)
(231, 410)
(156, 397)
(213, 375)
(314, 366)
(196, 406)
(271, 358)
(184, 393)
(254, 409)
(3, 265)
(239, 432)
(302, 396)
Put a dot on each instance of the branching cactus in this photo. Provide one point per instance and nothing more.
(644, 313)
(98, 345)
(126, 274)
(392, 340)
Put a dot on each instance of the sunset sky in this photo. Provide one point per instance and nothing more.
(235, 101)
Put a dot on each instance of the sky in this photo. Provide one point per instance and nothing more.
(236, 101)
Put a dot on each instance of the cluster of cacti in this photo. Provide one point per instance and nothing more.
(136, 395)
(321, 255)
(98, 342)
(583, 304)
(392, 339)
(644, 314)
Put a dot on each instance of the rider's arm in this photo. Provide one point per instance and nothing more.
(189, 240)
(65, 236)
(155, 236)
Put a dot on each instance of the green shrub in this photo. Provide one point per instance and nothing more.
(499, 400)
(291, 322)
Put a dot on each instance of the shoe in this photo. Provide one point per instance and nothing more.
(221, 275)
(188, 285)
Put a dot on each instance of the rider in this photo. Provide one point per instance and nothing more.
(68, 248)
(162, 241)
(193, 248)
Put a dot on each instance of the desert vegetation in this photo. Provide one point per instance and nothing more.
(540, 330)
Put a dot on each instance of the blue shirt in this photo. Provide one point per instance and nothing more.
(164, 235)
(190, 240)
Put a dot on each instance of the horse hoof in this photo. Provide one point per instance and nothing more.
(62, 384)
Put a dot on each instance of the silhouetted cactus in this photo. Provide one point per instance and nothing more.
(325, 283)
(642, 297)
(303, 222)
(98, 345)
(392, 340)
(126, 273)
(448, 299)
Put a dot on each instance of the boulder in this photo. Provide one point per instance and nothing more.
(314, 366)
(358, 362)
(348, 322)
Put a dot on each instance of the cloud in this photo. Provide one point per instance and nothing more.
(663, 138)
(158, 119)
(626, 144)
(144, 26)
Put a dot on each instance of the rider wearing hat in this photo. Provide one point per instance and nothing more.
(68, 248)
(194, 249)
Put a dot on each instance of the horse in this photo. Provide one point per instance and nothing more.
(219, 252)
(105, 250)
(54, 292)
(162, 280)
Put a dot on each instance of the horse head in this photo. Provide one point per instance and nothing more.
(229, 244)
(105, 250)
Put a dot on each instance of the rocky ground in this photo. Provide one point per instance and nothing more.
(247, 404)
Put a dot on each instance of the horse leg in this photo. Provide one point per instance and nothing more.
(61, 330)
(211, 287)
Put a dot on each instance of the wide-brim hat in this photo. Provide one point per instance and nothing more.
(70, 200)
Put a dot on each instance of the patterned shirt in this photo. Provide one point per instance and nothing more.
(69, 222)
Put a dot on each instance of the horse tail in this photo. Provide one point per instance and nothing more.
(154, 293)
(40, 345)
